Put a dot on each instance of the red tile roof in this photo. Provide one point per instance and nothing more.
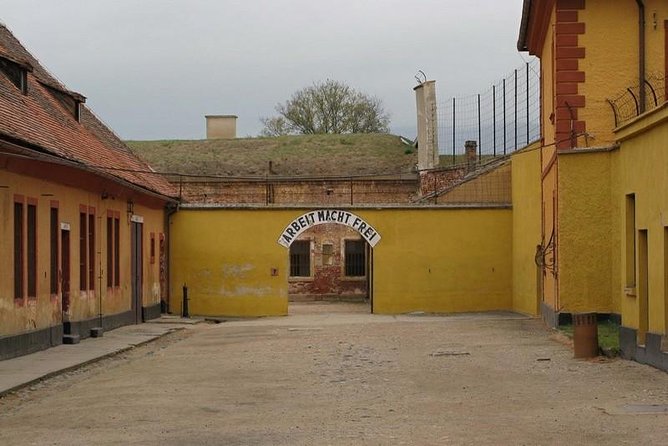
(39, 118)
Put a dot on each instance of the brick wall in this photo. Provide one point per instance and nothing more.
(436, 180)
(301, 192)
(328, 281)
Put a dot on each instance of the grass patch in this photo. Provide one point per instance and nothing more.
(608, 334)
(290, 155)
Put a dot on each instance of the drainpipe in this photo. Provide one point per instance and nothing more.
(170, 210)
(641, 55)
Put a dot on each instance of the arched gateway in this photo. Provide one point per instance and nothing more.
(324, 216)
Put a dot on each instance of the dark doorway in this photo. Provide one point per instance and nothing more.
(136, 243)
(330, 264)
(643, 286)
(65, 268)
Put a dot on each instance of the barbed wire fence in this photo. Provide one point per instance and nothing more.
(628, 104)
(502, 119)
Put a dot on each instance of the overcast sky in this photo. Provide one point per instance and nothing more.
(152, 69)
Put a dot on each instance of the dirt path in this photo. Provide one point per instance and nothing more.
(332, 376)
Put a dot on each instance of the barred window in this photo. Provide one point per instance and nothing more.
(355, 258)
(300, 258)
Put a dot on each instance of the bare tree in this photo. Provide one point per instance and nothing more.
(328, 107)
(276, 126)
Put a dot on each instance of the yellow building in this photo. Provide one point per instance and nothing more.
(82, 225)
(601, 165)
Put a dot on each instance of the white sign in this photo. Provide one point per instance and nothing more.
(323, 216)
(65, 226)
(137, 219)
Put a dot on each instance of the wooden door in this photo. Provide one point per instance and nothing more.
(137, 263)
(65, 268)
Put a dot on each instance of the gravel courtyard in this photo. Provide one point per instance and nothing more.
(334, 374)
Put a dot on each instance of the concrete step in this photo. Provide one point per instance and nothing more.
(71, 339)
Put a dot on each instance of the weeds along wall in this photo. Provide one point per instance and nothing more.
(429, 259)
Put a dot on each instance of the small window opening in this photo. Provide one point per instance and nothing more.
(327, 253)
(300, 258)
(355, 258)
(15, 73)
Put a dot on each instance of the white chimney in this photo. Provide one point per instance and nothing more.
(221, 126)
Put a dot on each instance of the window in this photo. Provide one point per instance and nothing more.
(630, 241)
(70, 102)
(327, 253)
(54, 249)
(110, 252)
(18, 249)
(152, 248)
(32, 249)
(300, 258)
(113, 249)
(17, 74)
(117, 250)
(86, 248)
(355, 257)
(83, 263)
(91, 251)
(25, 247)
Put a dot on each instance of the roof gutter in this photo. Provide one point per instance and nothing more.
(36, 153)
(524, 27)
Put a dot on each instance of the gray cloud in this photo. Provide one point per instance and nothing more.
(153, 68)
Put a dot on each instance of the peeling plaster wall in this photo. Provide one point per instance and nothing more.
(19, 316)
(429, 259)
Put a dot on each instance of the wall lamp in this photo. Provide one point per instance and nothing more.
(131, 208)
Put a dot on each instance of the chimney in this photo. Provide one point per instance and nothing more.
(471, 155)
(427, 121)
(221, 126)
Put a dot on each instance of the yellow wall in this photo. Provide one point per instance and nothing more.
(433, 260)
(45, 311)
(442, 260)
(585, 247)
(611, 63)
(655, 36)
(607, 52)
(643, 170)
(225, 257)
(526, 170)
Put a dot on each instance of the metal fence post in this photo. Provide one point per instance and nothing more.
(494, 118)
(454, 114)
(479, 131)
(527, 103)
(504, 117)
(515, 109)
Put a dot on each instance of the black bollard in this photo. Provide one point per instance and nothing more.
(185, 312)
